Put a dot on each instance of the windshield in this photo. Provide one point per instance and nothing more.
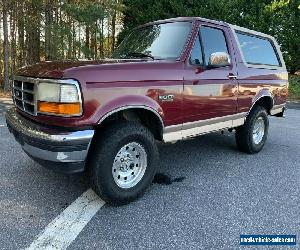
(160, 41)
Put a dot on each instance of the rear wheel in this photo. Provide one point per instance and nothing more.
(123, 162)
(252, 136)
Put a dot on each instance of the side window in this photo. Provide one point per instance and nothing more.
(213, 40)
(258, 50)
(196, 54)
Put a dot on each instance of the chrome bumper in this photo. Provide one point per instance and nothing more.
(60, 150)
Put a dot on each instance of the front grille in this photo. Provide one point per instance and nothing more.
(24, 95)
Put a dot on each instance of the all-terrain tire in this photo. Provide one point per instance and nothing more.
(246, 139)
(106, 147)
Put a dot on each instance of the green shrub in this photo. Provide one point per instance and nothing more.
(294, 86)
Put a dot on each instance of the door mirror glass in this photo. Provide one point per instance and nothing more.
(219, 59)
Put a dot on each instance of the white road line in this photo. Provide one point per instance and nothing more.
(63, 230)
(2, 125)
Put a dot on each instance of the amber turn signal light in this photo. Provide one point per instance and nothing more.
(64, 109)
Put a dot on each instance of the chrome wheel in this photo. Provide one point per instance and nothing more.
(258, 130)
(129, 165)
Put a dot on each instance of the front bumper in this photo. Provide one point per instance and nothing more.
(55, 148)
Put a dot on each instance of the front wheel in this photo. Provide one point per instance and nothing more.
(252, 136)
(123, 162)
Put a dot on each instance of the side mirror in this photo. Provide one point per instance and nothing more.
(219, 59)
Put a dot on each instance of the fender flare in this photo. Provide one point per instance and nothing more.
(131, 102)
(261, 94)
(131, 107)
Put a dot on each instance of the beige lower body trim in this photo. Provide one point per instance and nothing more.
(277, 109)
(191, 129)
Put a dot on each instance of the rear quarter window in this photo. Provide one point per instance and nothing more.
(258, 50)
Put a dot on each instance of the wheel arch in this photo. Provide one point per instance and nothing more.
(264, 99)
(144, 114)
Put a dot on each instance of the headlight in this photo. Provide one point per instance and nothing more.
(59, 99)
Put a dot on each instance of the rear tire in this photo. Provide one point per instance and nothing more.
(123, 162)
(252, 136)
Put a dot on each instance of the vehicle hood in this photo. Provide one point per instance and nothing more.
(56, 69)
(108, 71)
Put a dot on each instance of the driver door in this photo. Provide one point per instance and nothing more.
(210, 94)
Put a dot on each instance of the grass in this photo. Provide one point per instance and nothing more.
(294, 87)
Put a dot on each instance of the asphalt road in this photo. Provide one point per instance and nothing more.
(222, 193)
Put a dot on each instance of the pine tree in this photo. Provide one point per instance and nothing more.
(5, 8)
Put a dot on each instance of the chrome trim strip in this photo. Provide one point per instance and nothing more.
(206, 129)
(212, 121)
(191, 129)
(73, 136)
(277, 109)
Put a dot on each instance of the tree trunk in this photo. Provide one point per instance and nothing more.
(5, 46)
(21, 47)
(61, 36)
(79, 40)
(33, 34)
(102, 39)
(48, 29)
(113, 30)
(108, 46)
(93, 44)
(87, 41)
(69, 53)
(74, 40)
(13, 36)
(55, 32)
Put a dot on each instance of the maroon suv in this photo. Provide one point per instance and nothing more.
(168, 80)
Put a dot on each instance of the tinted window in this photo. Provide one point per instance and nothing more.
(159, 41)
(196, 55)
(257, 50)
(213, 40)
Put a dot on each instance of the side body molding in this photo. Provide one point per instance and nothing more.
(185, 130)
(192, 129)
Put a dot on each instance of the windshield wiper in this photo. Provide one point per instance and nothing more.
(140, 55)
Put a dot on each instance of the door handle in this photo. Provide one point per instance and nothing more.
(231, 76)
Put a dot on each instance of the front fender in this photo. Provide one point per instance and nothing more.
(128, 102)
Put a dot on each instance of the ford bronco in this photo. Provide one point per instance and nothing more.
(167, 81)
